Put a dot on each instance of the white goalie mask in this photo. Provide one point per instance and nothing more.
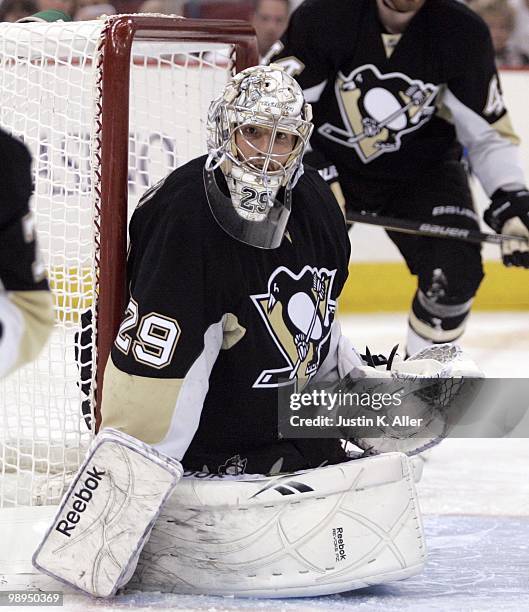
(258, 130)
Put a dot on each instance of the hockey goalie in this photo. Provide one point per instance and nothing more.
(236, 263)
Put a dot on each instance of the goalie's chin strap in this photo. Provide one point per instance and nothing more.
(215, 159)
(380, 360)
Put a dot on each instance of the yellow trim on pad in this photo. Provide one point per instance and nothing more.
(389, 287)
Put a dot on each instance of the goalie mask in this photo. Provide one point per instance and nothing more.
(258, 130)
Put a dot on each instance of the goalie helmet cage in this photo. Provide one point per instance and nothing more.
(107, 109)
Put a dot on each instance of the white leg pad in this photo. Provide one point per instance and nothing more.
(316, 532)
(107, 514)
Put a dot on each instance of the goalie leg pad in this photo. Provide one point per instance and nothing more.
(107, 514)
(315, 532)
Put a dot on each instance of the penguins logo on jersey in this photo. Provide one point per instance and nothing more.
(378, 109)
(298, 312)
(234, 466)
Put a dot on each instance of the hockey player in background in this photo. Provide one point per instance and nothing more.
(26, 310)
(269, 19)
(398, 88)
(236, 262)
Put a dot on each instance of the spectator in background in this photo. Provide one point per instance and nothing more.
(66, 6)
(165, 7)
(93, 11)
(500, 17)
(13, 10)
(270, 19)
(520, 36)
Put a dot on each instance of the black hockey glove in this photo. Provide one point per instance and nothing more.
(508, 213)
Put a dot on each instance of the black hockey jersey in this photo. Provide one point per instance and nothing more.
(391, 106)
(26, 314)
(18, 266)
(214, 326)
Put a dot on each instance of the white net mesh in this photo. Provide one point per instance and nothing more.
(49, 96)
(443, 353)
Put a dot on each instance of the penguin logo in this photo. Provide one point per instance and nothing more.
(377, 110)
(298, 313)
(234, 466)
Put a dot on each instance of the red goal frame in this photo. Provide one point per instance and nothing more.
(122, 31)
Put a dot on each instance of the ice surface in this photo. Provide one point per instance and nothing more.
(498, 342)
(475, 563)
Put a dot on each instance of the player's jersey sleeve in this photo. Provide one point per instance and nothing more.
(307, 51)
(26, 311)
(473, 99)
(175, 324)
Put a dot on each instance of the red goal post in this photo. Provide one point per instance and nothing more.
(122, 31)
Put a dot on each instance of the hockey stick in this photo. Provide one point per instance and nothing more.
(420, 228)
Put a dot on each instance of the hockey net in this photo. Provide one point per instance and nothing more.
(107, 108)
